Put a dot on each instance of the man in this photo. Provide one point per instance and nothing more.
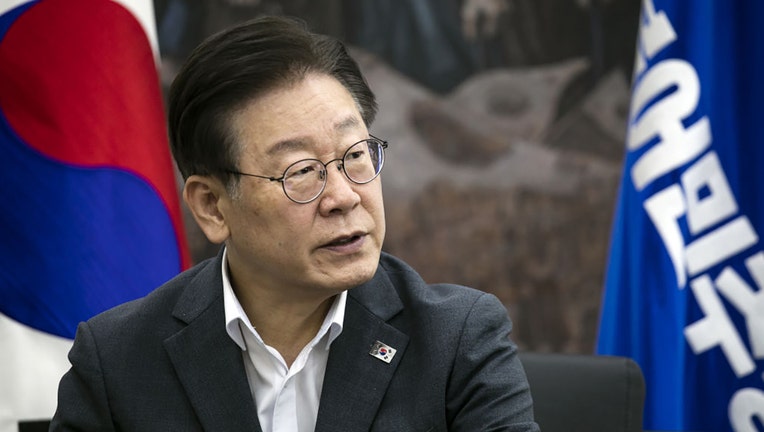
(300, 323)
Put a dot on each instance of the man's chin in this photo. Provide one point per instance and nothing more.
(352, 275)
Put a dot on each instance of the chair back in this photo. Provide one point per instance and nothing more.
(587, 393)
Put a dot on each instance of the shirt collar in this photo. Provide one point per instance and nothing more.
(234, 314)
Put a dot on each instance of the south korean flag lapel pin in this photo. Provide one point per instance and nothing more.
(382, 351)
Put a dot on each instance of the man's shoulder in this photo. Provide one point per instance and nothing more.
(431, 313)
(156, 305)
(412, 288)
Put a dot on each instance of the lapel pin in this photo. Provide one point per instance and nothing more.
(382, 352)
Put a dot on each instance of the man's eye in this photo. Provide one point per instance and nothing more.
(355, 155)
(301, 171)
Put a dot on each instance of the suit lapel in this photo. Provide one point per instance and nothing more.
(356, 382)
(207, 361)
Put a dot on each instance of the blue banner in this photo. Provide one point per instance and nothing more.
(684, 287)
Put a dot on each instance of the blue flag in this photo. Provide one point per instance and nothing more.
(684, 292)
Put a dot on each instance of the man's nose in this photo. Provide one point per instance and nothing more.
(340, 167)
(339, 193)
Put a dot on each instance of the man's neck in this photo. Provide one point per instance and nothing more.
(285, 325)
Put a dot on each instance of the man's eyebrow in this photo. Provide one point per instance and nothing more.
(350, 122)
(296, 144)
(287, 146)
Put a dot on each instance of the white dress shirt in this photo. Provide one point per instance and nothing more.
(286, 397)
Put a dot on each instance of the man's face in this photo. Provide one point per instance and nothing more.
(301, 250)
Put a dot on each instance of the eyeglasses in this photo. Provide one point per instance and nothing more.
(304, 180)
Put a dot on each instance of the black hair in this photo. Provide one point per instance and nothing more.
(233, 67)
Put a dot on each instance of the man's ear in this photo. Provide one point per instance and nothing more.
(203, 196)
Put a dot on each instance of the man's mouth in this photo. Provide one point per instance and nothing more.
(343, 241)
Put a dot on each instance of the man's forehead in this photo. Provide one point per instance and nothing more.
(343, 126)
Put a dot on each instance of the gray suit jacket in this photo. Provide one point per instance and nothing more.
(166, 363)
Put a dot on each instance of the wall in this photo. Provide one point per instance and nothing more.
(506, 122)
